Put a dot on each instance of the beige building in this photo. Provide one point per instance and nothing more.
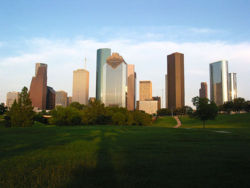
(61, 98)
(166, 91)
(131, 94)
(145, 90)
(148, 106)
(80, 86)
(69, 100)
(11, 97)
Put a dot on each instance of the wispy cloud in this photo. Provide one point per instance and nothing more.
(65, 55)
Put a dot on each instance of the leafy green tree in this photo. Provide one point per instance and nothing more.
(77, 105)
(228, 106)
(164, 112)
(205, 109)
(62, 116)
(141, 118)
(21, 113)
(247, 106)
(119, 118)
(3, 109)
(238, 104)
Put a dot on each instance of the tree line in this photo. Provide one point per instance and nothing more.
(21, 114)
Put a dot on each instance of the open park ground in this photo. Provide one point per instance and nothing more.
(129, 156)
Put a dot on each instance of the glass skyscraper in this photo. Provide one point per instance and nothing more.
(102, 55)
(232, 85)
(219, 82)
(115, 81)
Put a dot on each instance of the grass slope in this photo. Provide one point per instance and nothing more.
(115, 156)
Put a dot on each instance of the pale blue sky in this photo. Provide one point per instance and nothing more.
(62, 32)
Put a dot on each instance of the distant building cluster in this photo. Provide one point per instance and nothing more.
(116, 85)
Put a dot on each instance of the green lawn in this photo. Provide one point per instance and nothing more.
(127, 156)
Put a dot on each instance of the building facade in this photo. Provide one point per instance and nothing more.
(175, 81)
(11, 97)
(232, 84)
(69, 100)
(158, 99)
(145, 90)
(166, 91)
(51, 98)
(61, 98)
(115, 81)
(148, 106)
(219, 82)
(38, 87)
(101, 60)
(203, 90)
(80, 86)
(131, 88)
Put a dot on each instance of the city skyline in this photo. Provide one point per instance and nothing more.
(144, 36)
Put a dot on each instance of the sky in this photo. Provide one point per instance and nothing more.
(62, 33)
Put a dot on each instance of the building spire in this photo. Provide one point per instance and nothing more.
(85, 63)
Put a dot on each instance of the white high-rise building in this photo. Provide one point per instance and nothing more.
(11, 97)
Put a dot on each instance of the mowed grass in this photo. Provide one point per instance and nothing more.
(127, 156)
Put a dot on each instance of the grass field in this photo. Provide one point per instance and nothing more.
(123, 156)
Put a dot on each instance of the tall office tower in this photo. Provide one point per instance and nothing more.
(175, 78)
(131, 88)
(115, 79)
(219, 82)
(38, 87)
(11, 97)
(232, 86)
(80, 86)
(51, 98)
(102, 55)
(61, 98)
(203, 90)
(166, 90)
(145, 90)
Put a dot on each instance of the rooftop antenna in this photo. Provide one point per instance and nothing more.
(85, 63)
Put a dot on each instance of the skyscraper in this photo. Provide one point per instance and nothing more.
(115, 81)
(102, 55)
(203, 90)
(80, 86)
(61, 98)
(166, 90)
(175, 81)
(51, 98)
(145, 90)
(219, 82)
(11, 97)
(232, 85)
(38, 87)
(131, 87)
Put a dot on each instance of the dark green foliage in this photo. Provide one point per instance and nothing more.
(164, 112)
(239, 104)
(40, 118)
(247, 106)
(118, 118)
(3, 109)
(77, 105)
(21, 113)
(141, 118)
(227, 107)
(65, 116)
(205, 109)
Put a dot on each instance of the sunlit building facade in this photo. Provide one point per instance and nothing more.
(61, 98)
(80, 86)
(232, 84)
(11, 97)
(114, 91)
(101, 60)
(145, 90)
(219, 82)
(131, 88)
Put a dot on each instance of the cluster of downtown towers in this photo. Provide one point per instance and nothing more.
(116, 84)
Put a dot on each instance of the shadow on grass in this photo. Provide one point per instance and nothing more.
(103, 174)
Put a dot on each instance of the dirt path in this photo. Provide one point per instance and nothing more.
(178, 122)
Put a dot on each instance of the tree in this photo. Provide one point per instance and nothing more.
(77, 105)
(21, 113)
(238, 104)
(3, 109)
(164, 112)
(205, 109)
(228, 106)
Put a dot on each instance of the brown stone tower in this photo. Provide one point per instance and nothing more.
(38, 87)
(203, 90)
(176, 87)
(131, 94)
